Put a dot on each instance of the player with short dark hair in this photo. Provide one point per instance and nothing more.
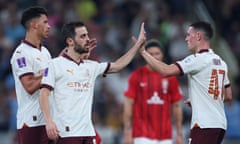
(30, 14)
(28, 62)
(209, 85)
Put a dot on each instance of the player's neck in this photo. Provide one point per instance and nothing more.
(33, 39)
(202, 46)
(74, 55)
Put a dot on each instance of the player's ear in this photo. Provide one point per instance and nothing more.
(69, 41)
(33, 24)
(199, 36)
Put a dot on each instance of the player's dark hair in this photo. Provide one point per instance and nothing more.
(204, 27)
(68, 30)
(31, 13)
(153, 43)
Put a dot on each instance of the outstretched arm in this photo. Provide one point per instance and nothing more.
(127, 57)
(161, 67)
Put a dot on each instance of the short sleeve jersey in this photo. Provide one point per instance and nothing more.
(73, 87)
(208, 76)
(153, 96)
(27, 59)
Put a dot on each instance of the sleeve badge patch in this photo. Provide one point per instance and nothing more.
(45, 74)
(21, 62)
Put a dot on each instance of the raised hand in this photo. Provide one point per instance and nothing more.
(91, 44)
(142, 36)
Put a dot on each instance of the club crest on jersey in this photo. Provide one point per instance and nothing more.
(21, 62)
(87, 73)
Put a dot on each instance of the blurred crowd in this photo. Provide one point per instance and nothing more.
(113, 22)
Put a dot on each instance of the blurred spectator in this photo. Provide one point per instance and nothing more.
(12, 28)
(86, 9)
(226, 16)
(4, 110)
(176, 35)
(232, 109)
(6, 46)
(12, 106)
(111, 22)
(117, 84)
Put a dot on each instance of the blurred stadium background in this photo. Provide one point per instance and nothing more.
(113, 22)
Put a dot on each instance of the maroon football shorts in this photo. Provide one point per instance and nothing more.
(33, 135)
(76, 140)
(206, 136)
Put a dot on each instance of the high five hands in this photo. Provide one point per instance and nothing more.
(141, 38)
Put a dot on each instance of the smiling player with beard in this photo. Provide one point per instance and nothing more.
(71, 78)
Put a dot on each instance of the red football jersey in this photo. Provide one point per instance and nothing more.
(153, 96)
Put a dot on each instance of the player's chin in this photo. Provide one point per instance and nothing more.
(45, 36)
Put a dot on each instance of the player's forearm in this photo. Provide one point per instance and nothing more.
(177, 113)
(127, 131)
(154, 63)
(228, 94)
(31, 83)
(127, 123)
(159, 66)
(124, 60)
(44, 104)
(127, 114)
(127, 118)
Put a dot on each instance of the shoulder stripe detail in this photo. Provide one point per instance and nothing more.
(106, 71)
(46, 86)
(180, 68)
(29, 73)
(228, 85)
